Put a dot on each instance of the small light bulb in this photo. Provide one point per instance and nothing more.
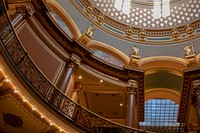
(42, 116)
(79, 77)
(121, 104)
(24, 100)
(60, 130)
(15, 91)
(6, 80)
(51, 123)
(101, 81)
(33, 108)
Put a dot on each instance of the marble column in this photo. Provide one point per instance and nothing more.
(131, 89)
(63, 82)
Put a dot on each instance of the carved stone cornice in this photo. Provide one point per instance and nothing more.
(175, 34)
(188, 94)
(25, 10)
(191, 60)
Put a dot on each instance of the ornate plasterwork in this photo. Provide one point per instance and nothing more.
(181, 25)
(141, 14)
(189, 92)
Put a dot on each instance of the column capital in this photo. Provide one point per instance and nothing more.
(131, 87)
(25, 10)
(73, 62)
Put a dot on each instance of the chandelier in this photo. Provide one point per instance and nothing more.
(161, 8)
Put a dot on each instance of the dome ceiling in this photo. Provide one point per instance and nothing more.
(115, 34)
(146, 21)
(142, 13)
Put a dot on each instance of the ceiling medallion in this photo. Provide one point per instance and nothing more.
(145, 21)
(12, 120)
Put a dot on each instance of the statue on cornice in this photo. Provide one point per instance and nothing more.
(135, 51)
(90, 30)
(135, 58)
(86, 37)
(190, 56)
(189, 49)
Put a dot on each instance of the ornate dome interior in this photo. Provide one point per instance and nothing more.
(82, 65)
(164, 36)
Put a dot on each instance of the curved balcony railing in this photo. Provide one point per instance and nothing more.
(37, 83)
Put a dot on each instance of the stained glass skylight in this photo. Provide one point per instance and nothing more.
(160, 114)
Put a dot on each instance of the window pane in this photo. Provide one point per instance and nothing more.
(160, 113)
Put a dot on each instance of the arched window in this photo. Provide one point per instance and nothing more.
(60, 23)
(160, 115)
(107, 57)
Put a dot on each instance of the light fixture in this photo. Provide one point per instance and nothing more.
(42, 116)
(121, 104)
(51, 123)
(6, 80)
(24, 100)
(79, 77)
(15, 91)
(60, 129)
(33, 108)
(101, 81)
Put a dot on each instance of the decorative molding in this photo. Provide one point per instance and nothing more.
(26, 10)
(191, 60)
(188, 94)
(134, 34)
(162, 93)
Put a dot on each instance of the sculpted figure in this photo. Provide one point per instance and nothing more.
(189, 49)
(90, 30)
(135, 50)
